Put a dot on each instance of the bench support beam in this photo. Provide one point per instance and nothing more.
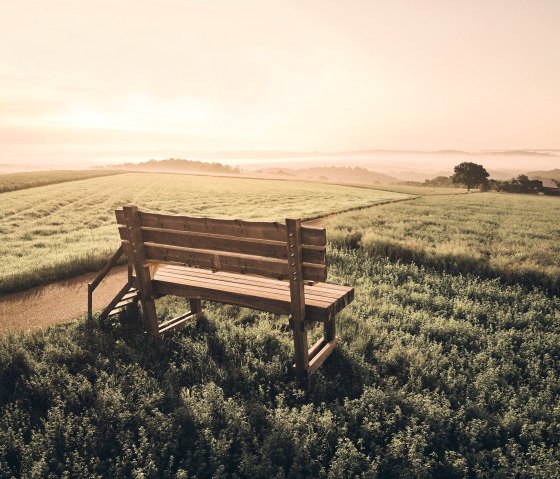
(142, 271)
(297, 298)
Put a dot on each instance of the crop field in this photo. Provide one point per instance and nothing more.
(21, 181)
(58, 231)
(514, 237)
(421, 190)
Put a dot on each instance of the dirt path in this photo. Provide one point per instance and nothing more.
(57, 302)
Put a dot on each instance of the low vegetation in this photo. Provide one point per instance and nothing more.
(437, 375)
(59, 231)
(495, 235)
(441, 370)
(21, 181)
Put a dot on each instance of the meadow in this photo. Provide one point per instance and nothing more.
(23, 180)
(436, 375)
(58, 231)
(441, 370)
(513, 237)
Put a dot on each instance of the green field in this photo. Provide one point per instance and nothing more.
(21, 181)
(513, 237)
(442, 370)
(61, 230)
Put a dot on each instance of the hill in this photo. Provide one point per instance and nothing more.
(539, 175)
(178, 165)
(342, 174)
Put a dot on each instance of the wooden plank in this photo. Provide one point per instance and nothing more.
(177, 323)
(248, 229)
(324, 288)
(114, 301)
(259, 282)
(262, 293)
(330, 289)
(254, 290)
(232, 262)
(323, 354)
(119, 214)
(336, 300)
(313, 350)
(106, 268)
(231, 244)
(313, 236)
(205, 293)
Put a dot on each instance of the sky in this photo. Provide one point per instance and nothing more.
(102, 80)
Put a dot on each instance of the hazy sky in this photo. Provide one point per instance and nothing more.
(98, 78)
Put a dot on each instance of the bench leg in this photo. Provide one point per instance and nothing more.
(329, 329)
(150, 316)
(301, 352)
(196, 305)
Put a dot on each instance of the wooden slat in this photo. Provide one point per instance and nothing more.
(108, 309)
(327, 288)
(313, 236)
(265, 293)
(237, 263)
(247, 229)
(177, 323)
(319, 357)
(230, 244)
(250, 281)
(205, 293)
(328, 303)
(121, 220)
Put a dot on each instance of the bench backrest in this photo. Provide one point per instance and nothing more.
(250, 247)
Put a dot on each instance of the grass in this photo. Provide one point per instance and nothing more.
(441, 370)
(59, 231)
(496, 235)
(21, 181)
(436, 375)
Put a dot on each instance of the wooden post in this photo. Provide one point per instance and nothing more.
(90, 302)
(196, 305)
(297, 297)
(329, 328)
(142, 271)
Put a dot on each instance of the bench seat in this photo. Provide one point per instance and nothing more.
(322, 300)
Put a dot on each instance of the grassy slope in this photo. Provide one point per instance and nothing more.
(24, 180)
(499, 235)
(61, 230)
(437, 375)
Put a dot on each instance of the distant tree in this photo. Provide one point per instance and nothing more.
(523, 180)
(470, 174)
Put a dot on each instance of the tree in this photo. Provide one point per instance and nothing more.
(470, 174)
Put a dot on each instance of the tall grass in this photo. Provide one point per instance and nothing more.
(512, 237)
(61, 230)
(436, 375)
(23, 180)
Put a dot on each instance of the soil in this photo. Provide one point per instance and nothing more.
(57, 302)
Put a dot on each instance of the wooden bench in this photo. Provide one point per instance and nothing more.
(269, 266)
